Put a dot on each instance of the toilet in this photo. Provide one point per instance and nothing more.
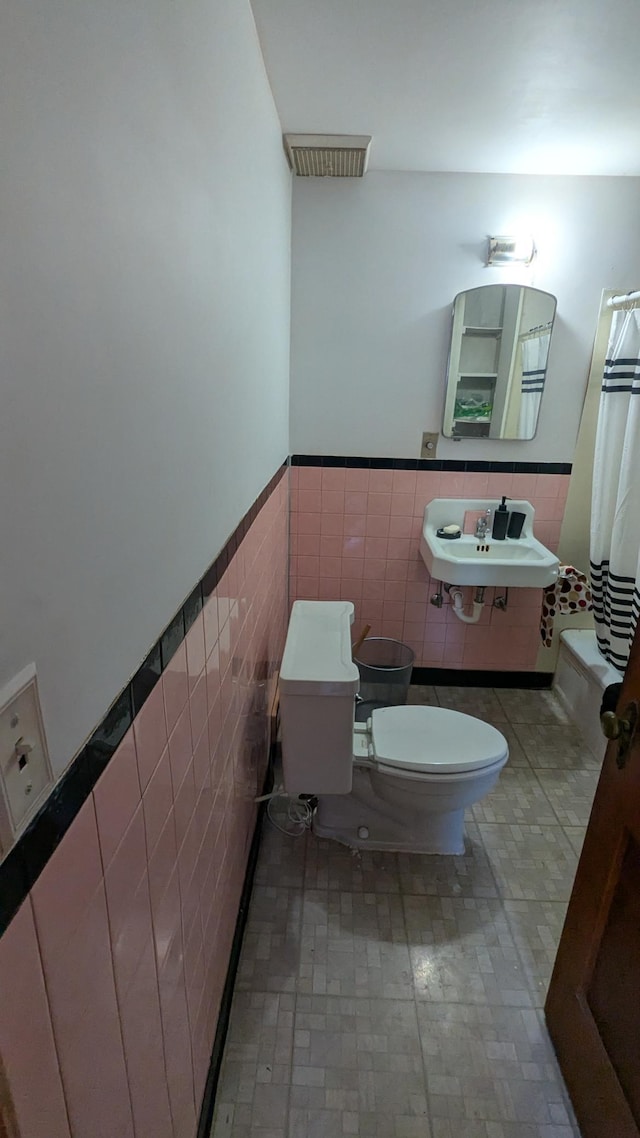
(402, 780)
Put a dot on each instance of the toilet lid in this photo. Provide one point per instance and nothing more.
(434, 739)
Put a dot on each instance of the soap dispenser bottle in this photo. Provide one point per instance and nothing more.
(500, 521)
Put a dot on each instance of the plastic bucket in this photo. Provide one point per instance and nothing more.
(385, 674)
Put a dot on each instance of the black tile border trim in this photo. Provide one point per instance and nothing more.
(25, 861)
(469, 466)
(479, 678)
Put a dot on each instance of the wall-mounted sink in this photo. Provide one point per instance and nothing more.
(522, 562)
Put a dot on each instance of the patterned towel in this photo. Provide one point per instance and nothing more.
(569, 594)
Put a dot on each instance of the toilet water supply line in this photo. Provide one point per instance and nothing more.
(290, 814)
(457, 601)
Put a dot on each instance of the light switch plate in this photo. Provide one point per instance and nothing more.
(25, 771)
(429, 444)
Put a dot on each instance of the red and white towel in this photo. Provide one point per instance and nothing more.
(569, 594)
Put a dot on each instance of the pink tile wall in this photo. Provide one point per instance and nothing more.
(355, 536)
(112, 971)
(26, 1035)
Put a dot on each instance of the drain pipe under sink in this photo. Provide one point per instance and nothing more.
(458, 605)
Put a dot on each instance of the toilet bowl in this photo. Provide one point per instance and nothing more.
(416, 769)
(399, 782)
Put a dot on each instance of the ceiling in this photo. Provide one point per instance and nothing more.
(498, 86)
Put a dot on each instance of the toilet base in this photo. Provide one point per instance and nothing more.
(343, 817)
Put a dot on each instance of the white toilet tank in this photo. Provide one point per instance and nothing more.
(318, 685)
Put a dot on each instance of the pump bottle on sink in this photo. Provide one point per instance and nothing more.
(500, 521)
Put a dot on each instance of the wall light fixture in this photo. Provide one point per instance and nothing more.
(511, 250)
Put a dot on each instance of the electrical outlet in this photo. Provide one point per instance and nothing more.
(25, 772)
(429, 444)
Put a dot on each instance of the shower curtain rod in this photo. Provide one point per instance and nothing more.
(630, 300)
(533, 333)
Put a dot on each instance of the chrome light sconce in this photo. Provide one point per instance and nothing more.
(511, 250)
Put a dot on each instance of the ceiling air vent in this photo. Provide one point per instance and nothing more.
(328, 155)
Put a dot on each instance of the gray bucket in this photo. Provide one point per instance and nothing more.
(385, 674)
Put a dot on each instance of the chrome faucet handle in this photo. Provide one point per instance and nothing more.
(482, 525)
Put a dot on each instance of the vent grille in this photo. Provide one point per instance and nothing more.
(327, 155)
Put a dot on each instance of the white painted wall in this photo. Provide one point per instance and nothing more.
(376, 265)
(144, 327)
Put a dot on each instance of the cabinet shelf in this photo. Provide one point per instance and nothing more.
(479, 330)
(473, 375)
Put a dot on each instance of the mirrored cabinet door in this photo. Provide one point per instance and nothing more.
(497, 362)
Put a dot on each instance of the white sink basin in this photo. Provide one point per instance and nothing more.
(523, 562)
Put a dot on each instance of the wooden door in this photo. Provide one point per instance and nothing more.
(593, 1004)
(8, 1121)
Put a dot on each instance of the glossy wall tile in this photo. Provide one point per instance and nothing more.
(355, 536)
(119, 954)
(23, 1000)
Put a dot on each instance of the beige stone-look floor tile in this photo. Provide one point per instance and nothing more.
(360, 1124)
(354, 944)
(466, 874)
(576, 834)
(260, 1028)
(282, 858)
(534, 863)
(517, 757)
(482, 703)
(443, 1128)
(382, 1125)
(550, 745)
(570, 792)
(491, 1064)
(315, 1123)
(234, 1121)
(475, 921)
(327, 912)
(363, 1059)
(518, 798)
(526, 706)
(331, 865)
(463, 951)
(423, 694)
(463, 974)
(270, 957)
(270, 1107)
(536, 928)
(253, 1089)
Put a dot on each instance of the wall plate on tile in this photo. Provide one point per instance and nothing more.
(25, 771)
(429, 444)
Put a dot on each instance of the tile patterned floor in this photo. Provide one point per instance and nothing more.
(400, 996)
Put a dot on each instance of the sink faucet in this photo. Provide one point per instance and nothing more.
(482, 526)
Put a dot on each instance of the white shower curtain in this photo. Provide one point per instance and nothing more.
(534, 366)
(615, 510)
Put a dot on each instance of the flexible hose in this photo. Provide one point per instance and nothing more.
(298, 816)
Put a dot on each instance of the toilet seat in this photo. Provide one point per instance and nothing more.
(433, 740)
